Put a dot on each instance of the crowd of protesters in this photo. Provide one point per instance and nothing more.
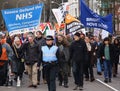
(57, 57)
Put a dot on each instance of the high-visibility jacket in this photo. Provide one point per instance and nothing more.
(49, 54)
(6, 52)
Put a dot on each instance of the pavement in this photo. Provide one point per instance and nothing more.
(97, 85)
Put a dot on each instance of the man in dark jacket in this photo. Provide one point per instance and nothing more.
(63, 46)
(32, 60)
(40, 40)
(107, 55)
(78, 51)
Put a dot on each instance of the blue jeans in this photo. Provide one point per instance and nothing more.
(107, 69)
(99, 69)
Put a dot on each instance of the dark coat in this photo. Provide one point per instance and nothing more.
(116, 53)
(31, 53)
(78, 51)
(63, 54)
(98, 49)
(17, 64)
(91, 55)
(40, 41)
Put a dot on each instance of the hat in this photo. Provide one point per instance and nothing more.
(1, 34)
(77, 34)
(49, 37)
(16, 39)
(106, 39)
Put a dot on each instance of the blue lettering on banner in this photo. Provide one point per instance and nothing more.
(21, 18)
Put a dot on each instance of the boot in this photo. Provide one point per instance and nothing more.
(76, 87)
(106, 80)
(65, 85)
(18, 82)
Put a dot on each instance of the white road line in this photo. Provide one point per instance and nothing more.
(107, 85)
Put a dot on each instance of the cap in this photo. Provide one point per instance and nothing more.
(106, 39)
(1, 35)
(16, 39)
(77, 34)
(49, 37)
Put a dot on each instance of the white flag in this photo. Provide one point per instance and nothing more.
(58, 15)
(61, 12)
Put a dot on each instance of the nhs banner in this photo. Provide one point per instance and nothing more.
(19, 19)
(90, 19)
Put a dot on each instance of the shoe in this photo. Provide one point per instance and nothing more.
(76, 87)
(99, 73)
(60, 83)
(86, 79)
(18, 82)
(80, 88)
(44, 81)
(110, 80)
(38, 83)
(25, 72)
(92, 79)
(66, 85)
(34, 86)
(30, 86)
(114, 76)
(106, 80)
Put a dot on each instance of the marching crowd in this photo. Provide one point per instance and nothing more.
(50, 57)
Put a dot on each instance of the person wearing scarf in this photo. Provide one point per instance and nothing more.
(18, 64)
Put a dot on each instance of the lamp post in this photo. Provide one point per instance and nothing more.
(55, 3)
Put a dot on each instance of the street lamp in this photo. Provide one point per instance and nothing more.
(55, 3)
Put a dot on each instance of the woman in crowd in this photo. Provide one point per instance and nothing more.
(88, 67)
(17, 63)
(116, 57)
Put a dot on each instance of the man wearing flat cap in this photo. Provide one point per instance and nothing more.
(49, 58)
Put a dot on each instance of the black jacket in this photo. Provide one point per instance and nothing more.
(111, 51)
(78, 51)
(31, 53)
(116, 53)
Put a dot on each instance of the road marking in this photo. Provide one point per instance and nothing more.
(107, 85)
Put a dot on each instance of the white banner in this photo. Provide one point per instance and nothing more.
(58, 15)
(60, 12)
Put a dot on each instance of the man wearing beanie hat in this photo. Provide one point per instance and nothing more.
(49, 55)
(78, 50)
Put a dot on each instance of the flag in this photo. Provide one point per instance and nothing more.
(47, 28)
(60, 12)
(23, 18)
(90, 19)
(72, 24)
